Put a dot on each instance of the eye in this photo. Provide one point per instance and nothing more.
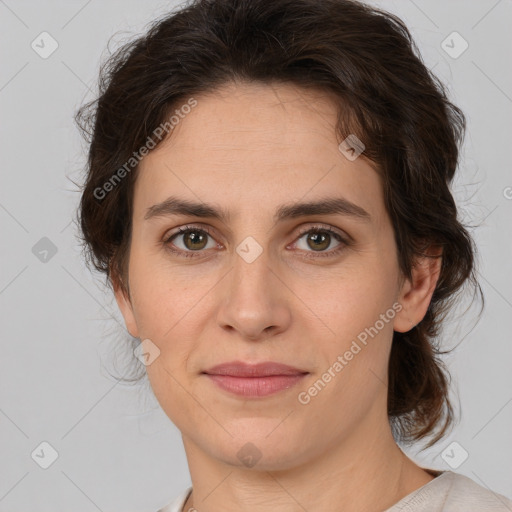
(193, 240)
(318, 239)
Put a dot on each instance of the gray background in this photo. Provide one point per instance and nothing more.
(61, 332)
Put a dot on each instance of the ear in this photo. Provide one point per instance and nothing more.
(124, 303)
(416, 293)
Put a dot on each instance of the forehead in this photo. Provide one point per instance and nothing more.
(254, 146)
(245, 115)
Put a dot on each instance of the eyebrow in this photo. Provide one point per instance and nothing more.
(326, 206)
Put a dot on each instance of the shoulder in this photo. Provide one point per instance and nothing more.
(449, 492)
(465, 494)
(177, 504)
(452, 492)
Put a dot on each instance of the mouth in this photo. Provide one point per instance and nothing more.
(255, 380)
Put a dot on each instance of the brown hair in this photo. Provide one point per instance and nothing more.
(387, 98)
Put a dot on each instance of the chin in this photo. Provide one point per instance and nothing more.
(268, 451)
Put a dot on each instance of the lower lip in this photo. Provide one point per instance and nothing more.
(256, 386)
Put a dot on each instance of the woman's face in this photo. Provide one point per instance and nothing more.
(261, 286)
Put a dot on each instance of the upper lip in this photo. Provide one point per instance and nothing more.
(265, 369)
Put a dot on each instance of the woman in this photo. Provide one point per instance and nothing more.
(268, 195)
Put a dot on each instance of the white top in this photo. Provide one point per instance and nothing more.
(448, 492)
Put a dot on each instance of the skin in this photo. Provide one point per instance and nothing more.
(250, 148)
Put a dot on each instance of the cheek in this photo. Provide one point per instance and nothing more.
(161, 294)
(349, 299)
(357, 308)
(169, 308)
(352, 369)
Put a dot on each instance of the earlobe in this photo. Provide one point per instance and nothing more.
(416, 293)
(125, 306)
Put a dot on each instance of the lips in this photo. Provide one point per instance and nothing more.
(241, 369)
(256, 380)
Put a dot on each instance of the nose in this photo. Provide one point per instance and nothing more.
(255, 302)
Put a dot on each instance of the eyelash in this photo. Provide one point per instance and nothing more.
(314, 229)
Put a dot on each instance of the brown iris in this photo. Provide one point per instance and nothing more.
(319, 240)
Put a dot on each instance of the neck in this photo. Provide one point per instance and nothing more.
(366, 471)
